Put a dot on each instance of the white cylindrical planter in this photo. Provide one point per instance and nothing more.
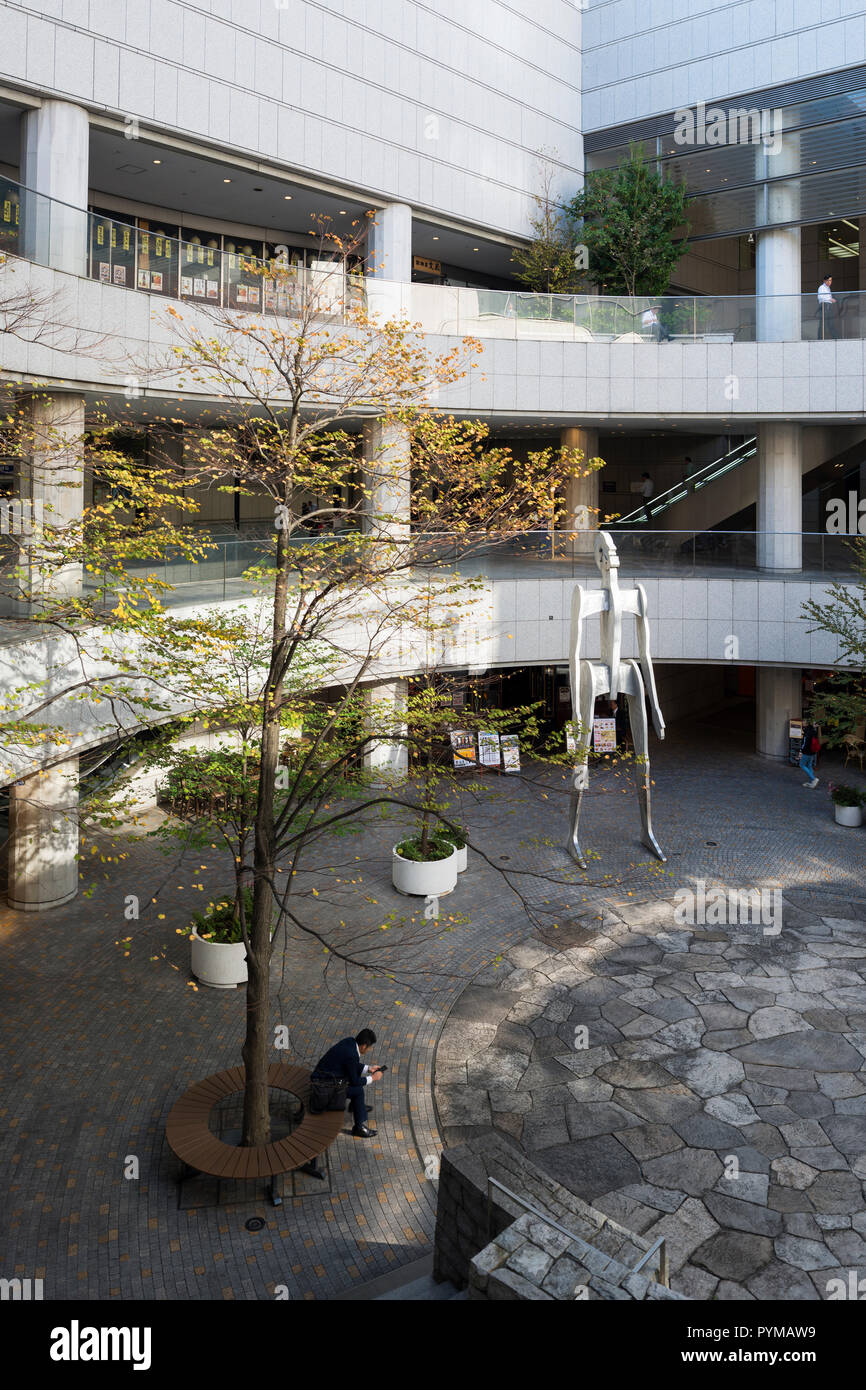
(848, 815)
(219, 964)
(427, 878)
(462, 858)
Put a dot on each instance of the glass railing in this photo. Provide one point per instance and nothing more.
(223, 572)
(209, 268)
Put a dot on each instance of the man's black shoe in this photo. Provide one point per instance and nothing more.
(362, 1132)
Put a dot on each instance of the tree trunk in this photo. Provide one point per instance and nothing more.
(257, 1119)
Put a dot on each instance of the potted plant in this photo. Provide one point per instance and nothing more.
(457, 838)
(218, 953)
(424, 870)
(848, 802)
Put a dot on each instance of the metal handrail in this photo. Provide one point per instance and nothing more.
(707, 474)
(661, 1274)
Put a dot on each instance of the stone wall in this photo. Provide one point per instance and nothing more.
(466, 1225)
(534, 1262)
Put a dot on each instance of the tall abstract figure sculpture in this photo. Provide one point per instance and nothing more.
(614, 677)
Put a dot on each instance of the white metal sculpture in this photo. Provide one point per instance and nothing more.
(615, 677)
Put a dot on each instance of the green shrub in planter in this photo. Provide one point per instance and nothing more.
(843, 795)
(436, 849)
(457, 837)
(219, 923)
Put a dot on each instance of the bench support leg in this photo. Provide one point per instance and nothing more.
(312, 1170)
(274, 1191)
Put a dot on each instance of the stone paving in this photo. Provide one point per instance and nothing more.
(701, 1084)
(98, 1044)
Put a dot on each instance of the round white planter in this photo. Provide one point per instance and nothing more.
(218, 964)
(848, 815)
(430, 878)
(462, 857)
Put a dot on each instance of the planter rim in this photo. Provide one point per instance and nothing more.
(442, 859)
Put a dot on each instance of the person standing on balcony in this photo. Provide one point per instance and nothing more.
(647, 488)
(688, 470)
(827, 308)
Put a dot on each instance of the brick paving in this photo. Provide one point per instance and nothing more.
(99, 1044)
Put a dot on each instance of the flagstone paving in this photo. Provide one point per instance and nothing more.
(699, 1047)
(737, 1131)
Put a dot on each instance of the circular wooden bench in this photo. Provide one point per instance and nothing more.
(191, 1139)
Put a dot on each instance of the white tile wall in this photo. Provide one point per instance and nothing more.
(505, 84)
(644, 58)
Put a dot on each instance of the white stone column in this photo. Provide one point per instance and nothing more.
(389, 262)
(386, 480)
(49, 483)
(55, 157)
(780, 497)
(43, 839)
(778, 281)
(581, 494)
(385, 714)
(778, 697)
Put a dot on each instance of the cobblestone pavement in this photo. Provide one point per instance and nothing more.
(98, 1044)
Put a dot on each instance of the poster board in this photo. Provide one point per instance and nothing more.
(463, 748)
(488, 748)
(795, 741)
(604, 735)
(510, 744)
(570, 739)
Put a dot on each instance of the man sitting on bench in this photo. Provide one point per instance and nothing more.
(344, 1061)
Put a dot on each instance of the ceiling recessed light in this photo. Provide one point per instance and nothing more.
(226, 180)
(157, 161)
(342, 212)
(435, 238)
(475, 248)
(257, 190)
(288, 197)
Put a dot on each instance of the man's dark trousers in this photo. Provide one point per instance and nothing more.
(344, 1061)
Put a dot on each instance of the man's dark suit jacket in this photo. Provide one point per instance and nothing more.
(342, 1060)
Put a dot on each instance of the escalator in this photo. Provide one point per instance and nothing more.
(683, 492)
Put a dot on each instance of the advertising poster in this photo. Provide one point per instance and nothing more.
(463, 747)
(120, 275)
(604, 735)
(186, 284)
(488, 748)
(156, 282)
(795, 740)
(144, 279)
(510, 753)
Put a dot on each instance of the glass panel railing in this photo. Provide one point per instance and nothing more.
(223, 573)
(161, 259)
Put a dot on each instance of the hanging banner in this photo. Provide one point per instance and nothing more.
(604, 735)
(463, 748)
(488, 749)
(510, 753)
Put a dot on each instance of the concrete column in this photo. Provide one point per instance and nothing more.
(55, 156)
(385, 713)
(390, 243)
(778, 695)
(389, 262)
(777, 251)
(49, 483)
(581, 494)
(43, 839)
(780, 497)
(387, 480)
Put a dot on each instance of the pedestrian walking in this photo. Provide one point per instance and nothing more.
(647, 488)
(809, 751)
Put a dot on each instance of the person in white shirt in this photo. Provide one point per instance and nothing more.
(647, 489)
(650, 319)
(827, 307)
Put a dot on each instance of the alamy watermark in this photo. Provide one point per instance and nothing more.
(729, 907)
(846, 517)
(736, 125)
